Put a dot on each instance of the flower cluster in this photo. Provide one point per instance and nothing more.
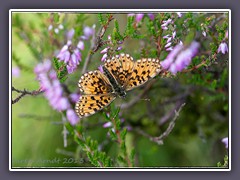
(170, 39)
(105, 50)
(223, 47)
(56, 29)
(141, 15)
(180, 57)
(53, 90)
(72, 55)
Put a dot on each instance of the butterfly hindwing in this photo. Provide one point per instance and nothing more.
(90, 104)
(94, 82)
(144, 70)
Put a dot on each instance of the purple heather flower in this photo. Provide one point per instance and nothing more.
(174, 34)
(225, 142)
(53, 90)
(56, 30)
(169, 49)
(100, 68)
(139, 17)
(179, 58)
(72, 117)
(166, 36)
(88, 32)
(74, 97)
(64, 54)
(105, 50)
(60, 26)
(168, 45)
(120, 42)
(107, 124)
(223, 48)
(51, 86)
(50, 27)
(15, 72)
(72, 59)
(119, 48)
(70, 34)
(104, 57)
(179, 14)
(226, 35)
(204, 33)
(43, 67)
(131, 14)
(80, 45)
(164, 27)
(151, 16)
(169, 39)
(165, 23)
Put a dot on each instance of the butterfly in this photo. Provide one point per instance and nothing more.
(119, 75)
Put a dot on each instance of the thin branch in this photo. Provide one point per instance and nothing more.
(159, 139)
(96, 43)
(24, 93)
(170, 114)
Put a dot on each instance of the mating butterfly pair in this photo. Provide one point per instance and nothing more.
(120, 74)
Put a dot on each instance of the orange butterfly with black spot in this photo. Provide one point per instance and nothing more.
(120, 74)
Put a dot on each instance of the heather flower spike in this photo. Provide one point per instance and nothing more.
(105, 50)
(53, 90)
(179, 58)
(104, 57)
(71, 58)
(72, 117)
(139, 17)
(100, 68)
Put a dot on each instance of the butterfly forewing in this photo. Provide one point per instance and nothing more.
(120, 66)
(94, 82)
(144, 70)
(90, 104)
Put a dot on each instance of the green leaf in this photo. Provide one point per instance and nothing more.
(123, 148)
(214, 84)
(69, 127)
(123, 133)
(112, 135)
(100, 19)
(132, 156)
(79, 141)
(121, 159)
(56, 18)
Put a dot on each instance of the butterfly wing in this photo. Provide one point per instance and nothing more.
(120, 66)
(90, 104)
(144, 70)
(97, 93)
(94, 82)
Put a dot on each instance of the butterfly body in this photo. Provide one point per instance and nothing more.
(120, 74)
(117, 88)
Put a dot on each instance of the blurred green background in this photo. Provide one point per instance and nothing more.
(37, 130)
